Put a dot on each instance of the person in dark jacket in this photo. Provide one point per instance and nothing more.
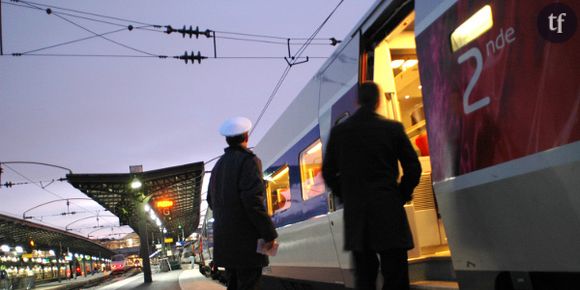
(236, 196)
(361, 168)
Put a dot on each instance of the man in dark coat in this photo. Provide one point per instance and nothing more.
(236, 196)
(361, 168)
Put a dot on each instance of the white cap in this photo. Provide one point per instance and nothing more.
(235, 126)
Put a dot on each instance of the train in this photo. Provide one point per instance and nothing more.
(492, 105)
(120, 263)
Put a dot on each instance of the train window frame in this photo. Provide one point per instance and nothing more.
(307, 177)
(271, 178)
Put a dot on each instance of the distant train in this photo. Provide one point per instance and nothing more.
(121, 263)
(492, 105)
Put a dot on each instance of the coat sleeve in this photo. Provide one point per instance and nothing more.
(252, 194)
(330, 171)
(210, 191)
(410, 163)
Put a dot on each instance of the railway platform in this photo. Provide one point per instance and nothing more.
(185, 278)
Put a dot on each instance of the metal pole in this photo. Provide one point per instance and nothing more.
(144, 243)
(58, 258)
(214, 46)
(1, 51)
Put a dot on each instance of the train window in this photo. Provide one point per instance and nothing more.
(278, 190)
(311, 170)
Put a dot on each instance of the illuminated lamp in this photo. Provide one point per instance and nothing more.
(397, 63)
(19, 249)
(280, 174)
(164, 203)
(146, 207)
(135, 183)
(409, 63)
(315, 148)
(472, 28)
(5, 248)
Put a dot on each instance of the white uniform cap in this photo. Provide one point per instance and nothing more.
(235, 126)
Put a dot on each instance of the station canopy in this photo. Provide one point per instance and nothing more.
(18, 232)
(174, 193)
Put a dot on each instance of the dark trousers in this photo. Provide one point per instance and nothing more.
(394, 267)
(243, 278)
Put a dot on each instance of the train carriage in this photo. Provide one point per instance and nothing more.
(491, 105)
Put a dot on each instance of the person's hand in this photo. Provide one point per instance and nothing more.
(268, 245)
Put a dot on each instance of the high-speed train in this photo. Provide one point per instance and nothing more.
(120, 264)
(490, 97)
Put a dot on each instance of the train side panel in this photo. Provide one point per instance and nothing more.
(504, 131)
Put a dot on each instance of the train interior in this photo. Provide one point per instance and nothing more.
(392, 62)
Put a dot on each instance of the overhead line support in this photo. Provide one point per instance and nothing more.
(1, 50)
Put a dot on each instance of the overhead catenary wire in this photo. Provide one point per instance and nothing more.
(49, 10)
(150, 24)
(96, 34)
(43, 188)
(158, 27)
(126, 26)
(293, 61)
(87, 55)
(89, 13)
(11, 183)
(155, 56)
(270, 41)
(265, 36)
(72, 41)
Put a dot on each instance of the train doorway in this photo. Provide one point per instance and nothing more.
(390, 59)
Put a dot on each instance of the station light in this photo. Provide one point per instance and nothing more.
(51, 253)
(19, 249)
(164, 203)
(146, 207)
(32, 244)
(136, 183)
(5, 248)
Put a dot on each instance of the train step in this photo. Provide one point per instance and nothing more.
(434, 285)
(432, 268)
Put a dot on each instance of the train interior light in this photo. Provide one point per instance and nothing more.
(472, 28)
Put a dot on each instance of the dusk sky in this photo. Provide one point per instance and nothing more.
(102, 114)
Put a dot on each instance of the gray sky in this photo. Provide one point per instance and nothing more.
(103, 114)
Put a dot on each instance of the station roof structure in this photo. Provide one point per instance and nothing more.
(20, 232)
(180, 185)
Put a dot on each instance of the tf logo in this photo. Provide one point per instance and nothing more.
(557, 22)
